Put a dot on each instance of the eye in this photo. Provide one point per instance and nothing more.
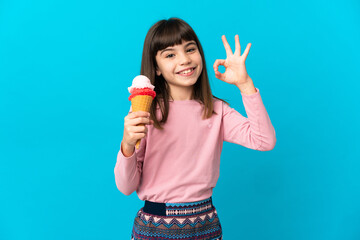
(191, 49)
(169, 55)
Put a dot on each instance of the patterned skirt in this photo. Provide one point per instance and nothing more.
(169, 221)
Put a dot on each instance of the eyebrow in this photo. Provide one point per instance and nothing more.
(169, 49)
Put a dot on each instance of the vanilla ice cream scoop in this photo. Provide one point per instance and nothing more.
(141, 81)
(142, 95)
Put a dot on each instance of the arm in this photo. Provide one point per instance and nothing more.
(255, 132)
(128, 167)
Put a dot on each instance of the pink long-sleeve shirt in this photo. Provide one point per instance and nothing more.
(181, 163)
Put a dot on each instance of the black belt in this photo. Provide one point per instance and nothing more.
(156, 208)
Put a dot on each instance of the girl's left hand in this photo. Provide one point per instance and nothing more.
(235, 70)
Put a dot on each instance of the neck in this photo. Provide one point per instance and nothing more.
(181, 94)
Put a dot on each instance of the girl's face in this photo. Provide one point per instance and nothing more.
(180, 65)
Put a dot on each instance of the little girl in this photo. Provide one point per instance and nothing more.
(177, 164)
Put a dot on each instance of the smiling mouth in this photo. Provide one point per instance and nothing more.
(187, 72)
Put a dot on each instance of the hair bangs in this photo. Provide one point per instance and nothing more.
(172, 33)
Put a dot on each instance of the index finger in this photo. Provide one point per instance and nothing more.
(138, 114)
(227, 46)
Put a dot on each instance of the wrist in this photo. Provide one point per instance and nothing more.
(127, 146)
(248, 87)
(127, 149)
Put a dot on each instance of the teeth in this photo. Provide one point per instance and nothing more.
(187, 71)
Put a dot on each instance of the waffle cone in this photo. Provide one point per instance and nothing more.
(141, 103)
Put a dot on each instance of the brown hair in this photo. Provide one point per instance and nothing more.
(161, 35)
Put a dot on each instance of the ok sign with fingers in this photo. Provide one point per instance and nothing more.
(235, 70)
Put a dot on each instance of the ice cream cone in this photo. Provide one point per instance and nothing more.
(142, 95)
(141, 103)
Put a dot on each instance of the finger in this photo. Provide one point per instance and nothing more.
(246, 52)
(139, 120)
(138, 114)
(237, 46)
(217, 63)
(220, 75)
(227, 46)
(138, 129)
(139, 135)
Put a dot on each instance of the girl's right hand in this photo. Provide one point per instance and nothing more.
(132, 132)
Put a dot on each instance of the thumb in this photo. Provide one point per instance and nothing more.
(220, 75)
(216, 65)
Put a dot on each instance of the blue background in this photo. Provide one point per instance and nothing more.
(65, 67)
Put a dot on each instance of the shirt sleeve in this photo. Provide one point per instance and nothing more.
(254, 132)
(128, 169)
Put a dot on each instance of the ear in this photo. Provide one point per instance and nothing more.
(158, 71)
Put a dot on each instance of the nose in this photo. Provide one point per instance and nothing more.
(184, 59)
